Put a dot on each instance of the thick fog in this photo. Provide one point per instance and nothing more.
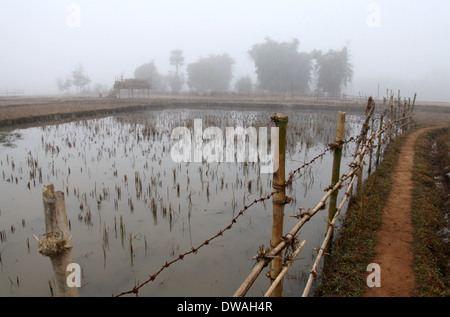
(393, 44)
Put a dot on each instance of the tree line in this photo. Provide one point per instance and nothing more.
(279, 67)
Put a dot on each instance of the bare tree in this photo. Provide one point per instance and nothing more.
(63, 85)
(79, 79)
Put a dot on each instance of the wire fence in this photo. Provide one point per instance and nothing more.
(400, 119)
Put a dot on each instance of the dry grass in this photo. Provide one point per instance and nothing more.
(430, 209)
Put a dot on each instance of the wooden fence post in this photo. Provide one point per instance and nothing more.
(279, 200)
(56, 243)
(379, 141)
(413, 103)
(335, 174)
(369, 170)
(405, 106)
(391, 128)
(369, 112)
(412, 109)
(55, 211)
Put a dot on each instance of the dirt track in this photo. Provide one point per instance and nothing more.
(394, 240)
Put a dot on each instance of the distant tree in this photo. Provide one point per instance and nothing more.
(63, 85)
(176, 81)
(176, 59)
(280, 67)
(244, 84)
(149, 73)
(79, 79)
(146, 72)
(333, 71)
(213, 73)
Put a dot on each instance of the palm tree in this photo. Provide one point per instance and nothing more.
(176, 59)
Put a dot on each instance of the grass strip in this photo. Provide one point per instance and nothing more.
(431, 234)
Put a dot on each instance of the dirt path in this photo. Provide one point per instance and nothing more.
(394, 246)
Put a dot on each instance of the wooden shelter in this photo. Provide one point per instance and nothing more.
(132, 84)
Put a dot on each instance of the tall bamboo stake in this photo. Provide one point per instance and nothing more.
(279, 200)
(336, 164)
(413, 103)
(391, 130)
(412, 108)
(379, 141)
(369, 112)
(369, 170)
(405, 106)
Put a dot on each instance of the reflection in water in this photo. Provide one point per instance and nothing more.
(130, 208)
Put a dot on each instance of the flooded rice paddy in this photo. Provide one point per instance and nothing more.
(131, 208)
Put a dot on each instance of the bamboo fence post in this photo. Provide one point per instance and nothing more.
(369, 112)
(398, 114)
(336, 164)
(413, 103)
(55, 211)
(56, 243)
(340, 130)
(391, 129)
(379, 141)
(360, 179)
(279, 200)
(405, 105)
(369, 170)
(408, 111)
(412, 108)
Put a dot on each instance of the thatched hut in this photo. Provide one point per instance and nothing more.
(132, 84)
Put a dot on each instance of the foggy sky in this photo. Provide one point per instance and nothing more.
(398, 44)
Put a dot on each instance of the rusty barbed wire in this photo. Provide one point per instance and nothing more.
(331, 147)
(181, 256)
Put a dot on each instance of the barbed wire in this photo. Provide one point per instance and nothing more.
(194, 250)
